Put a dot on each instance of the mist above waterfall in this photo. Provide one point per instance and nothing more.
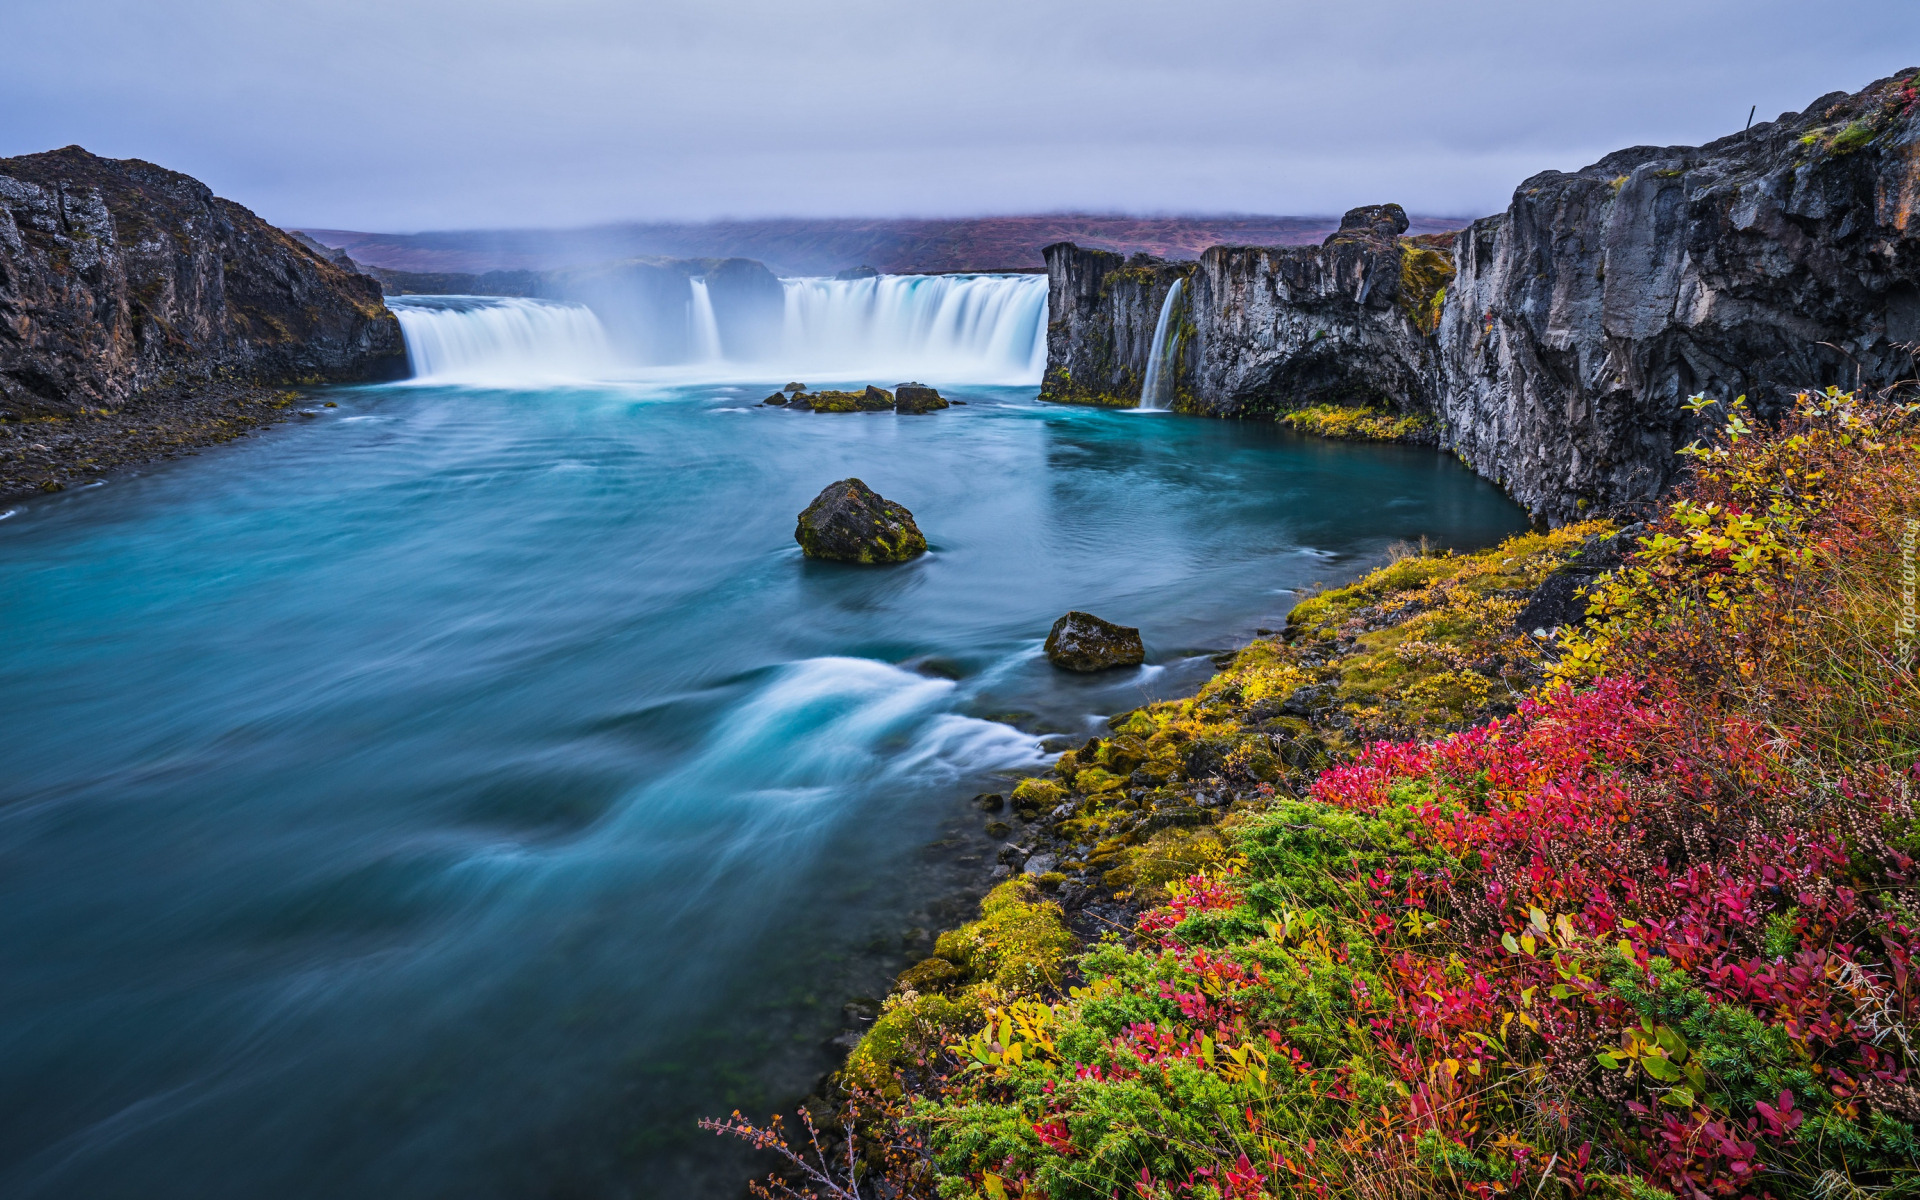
(979, 329)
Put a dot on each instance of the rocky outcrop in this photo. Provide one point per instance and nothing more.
(1339, 323)
(1101, 312)
(1083, 642)
(850, 522)
(1778, 259)
(117, 276)
(873, 399)
(1557, 341)
(1267, 329)
(916, 398)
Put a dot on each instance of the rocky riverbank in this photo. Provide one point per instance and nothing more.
(1430, 643)
(145, 316)
(50, 454)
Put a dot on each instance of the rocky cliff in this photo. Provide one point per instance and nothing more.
(1557, 341)
(1101, 312)
(117, 275)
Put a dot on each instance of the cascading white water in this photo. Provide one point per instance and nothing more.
(1156, 391)
(945, 329)
(705, 326)
(949, 328)
(500, 340)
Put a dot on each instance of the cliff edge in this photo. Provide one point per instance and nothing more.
(118, 277)
(1557, 342)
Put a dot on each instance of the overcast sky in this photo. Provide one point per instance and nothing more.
(437, 114)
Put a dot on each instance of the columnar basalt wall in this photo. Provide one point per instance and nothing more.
(1576, 324)
(1276, 328)
(1101, 312)
(117, 275)
(1583, 317)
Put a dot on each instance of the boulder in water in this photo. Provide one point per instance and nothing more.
(794, 387)
(801, 402)
(916, 398)
(872, 400)
(850, 522)
(1083, 642)
(776, 398)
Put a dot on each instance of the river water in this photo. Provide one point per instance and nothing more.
(458, 793)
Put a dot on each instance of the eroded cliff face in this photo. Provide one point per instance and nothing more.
(1276, 328)
(1101, 312)
(1775, 260)
(117, 275)
(1576, 323)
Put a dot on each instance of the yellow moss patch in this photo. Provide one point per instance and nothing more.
(1356, 423)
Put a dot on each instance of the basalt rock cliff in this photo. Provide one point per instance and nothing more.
(1557, 342)
(117, 276)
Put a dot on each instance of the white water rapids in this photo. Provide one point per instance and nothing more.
(979, 329)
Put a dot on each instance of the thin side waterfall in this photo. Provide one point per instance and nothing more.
(500, 340)
(706, 328)
(1157, 390)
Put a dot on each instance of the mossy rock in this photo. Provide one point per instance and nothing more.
(850, 522)
(1038, 793)
(872, 400)
(935, 974)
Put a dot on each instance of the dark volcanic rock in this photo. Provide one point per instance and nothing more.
(916, 398)
(1557, 341)
(1561, 598)
(1083, 642)
(777, 398)
(850, 522)
(1101, 312)
(117, 276)
(872, 400)
(794, 387)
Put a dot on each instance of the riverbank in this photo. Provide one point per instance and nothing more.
(1646, 934)
(52, 453)
(1433, 642)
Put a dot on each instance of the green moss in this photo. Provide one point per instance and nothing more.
(1424, 276)
(1856, 135)
(1038, 793)
(1357, 423)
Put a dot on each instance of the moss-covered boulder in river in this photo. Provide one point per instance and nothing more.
(1083, 642)
(850, 522)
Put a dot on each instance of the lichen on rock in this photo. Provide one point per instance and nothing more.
(1083, 642)
(850, 522)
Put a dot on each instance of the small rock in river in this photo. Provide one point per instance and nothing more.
(777, 398)
(1083, 642)
(914, 398)
(850, 522)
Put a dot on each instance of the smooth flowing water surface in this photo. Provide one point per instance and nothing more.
(459, 793)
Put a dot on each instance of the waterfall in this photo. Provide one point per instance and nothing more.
(706, 329)
(500, 340)
(945, 329)
(1157, 391)
(955, 328)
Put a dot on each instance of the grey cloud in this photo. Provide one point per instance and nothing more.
(431, 114)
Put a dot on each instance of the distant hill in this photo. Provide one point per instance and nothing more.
(822, 247)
